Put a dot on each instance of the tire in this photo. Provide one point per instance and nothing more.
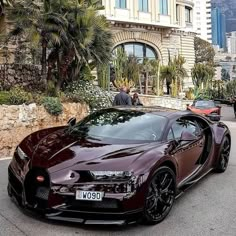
(223, 156)
(9, 191)
(160, 196)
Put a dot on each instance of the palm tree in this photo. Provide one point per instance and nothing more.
(70, 32)
(131, 70)
(181, 72)
(202, 75)
(90, 40)
(231, 88)
(174, 74)
(168, 73)
(39, 24)
(4, 4)
(157, 83)
(146, 68)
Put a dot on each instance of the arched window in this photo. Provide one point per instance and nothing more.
(138, 50)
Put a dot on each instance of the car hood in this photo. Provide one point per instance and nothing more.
(58, 151)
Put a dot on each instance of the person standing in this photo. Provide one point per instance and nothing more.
(122, 98)
(234, 105)
(136, 101)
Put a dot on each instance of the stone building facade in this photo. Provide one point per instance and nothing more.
(153, 28)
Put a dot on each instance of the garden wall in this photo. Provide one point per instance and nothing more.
(164, 101)
(16, 122)
(26, 76)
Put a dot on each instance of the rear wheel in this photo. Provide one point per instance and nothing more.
(160, 196)
(224, 156)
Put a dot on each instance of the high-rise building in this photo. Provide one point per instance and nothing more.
(228, 7)
(202, 19)
(231, 42)
(153, 29)
(218, 28)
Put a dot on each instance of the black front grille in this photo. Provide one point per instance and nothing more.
(37, 193)
(106, 204)
(42, 192)
(14, 182)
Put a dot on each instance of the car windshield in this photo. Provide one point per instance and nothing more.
(207, 104)
(117, 124)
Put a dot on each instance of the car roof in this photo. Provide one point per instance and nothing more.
(158, 110)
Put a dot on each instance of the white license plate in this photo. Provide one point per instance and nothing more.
(89, 195)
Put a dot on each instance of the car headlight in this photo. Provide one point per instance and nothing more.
(111, 175)
(21, 154)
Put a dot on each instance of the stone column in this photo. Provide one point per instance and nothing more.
(135, 8)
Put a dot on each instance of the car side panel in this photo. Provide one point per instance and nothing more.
(187, 157)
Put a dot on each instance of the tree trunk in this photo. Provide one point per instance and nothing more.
(67, 59)
(59, 78)
(52, 59)
(140, 85)
(168, 87)
(146, 83)
(44, 57)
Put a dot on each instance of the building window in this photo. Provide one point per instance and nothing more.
(121, 4)
(143, 5)
(177, 12)
(138, 50)
(188, 17)
(163, 7)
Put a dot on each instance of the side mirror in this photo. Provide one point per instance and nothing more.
(71, 121)
(214, 117)
(187, 136)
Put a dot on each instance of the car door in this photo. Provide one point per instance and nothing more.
(186, 153)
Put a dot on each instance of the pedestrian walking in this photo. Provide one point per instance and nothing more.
(122, 98)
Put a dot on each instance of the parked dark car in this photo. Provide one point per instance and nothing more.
(117, 165)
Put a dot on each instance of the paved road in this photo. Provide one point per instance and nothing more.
(209, 208)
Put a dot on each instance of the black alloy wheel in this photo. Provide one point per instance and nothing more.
(224, 155)
(160, 196)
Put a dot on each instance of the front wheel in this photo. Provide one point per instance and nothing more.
(224, 156)
(160, 196)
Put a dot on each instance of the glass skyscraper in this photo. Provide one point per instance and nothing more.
(218, 28)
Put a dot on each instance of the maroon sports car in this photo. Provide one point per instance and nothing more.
(117, 165)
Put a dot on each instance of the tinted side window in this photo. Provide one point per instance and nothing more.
(184, 125)
(170, 135)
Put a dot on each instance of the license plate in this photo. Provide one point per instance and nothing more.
(89, 195)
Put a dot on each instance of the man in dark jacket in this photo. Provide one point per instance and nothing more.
(122, 98)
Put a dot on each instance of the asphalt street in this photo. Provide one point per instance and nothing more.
(208, 208)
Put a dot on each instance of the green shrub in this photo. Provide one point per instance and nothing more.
(18, 96)
(51, 89)
(94, 96)
(53, 105)
(38, 98)
(4, 98)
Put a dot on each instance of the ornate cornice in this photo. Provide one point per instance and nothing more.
(185, 2)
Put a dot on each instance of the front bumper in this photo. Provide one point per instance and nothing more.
(109, 211)
(91, 217)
